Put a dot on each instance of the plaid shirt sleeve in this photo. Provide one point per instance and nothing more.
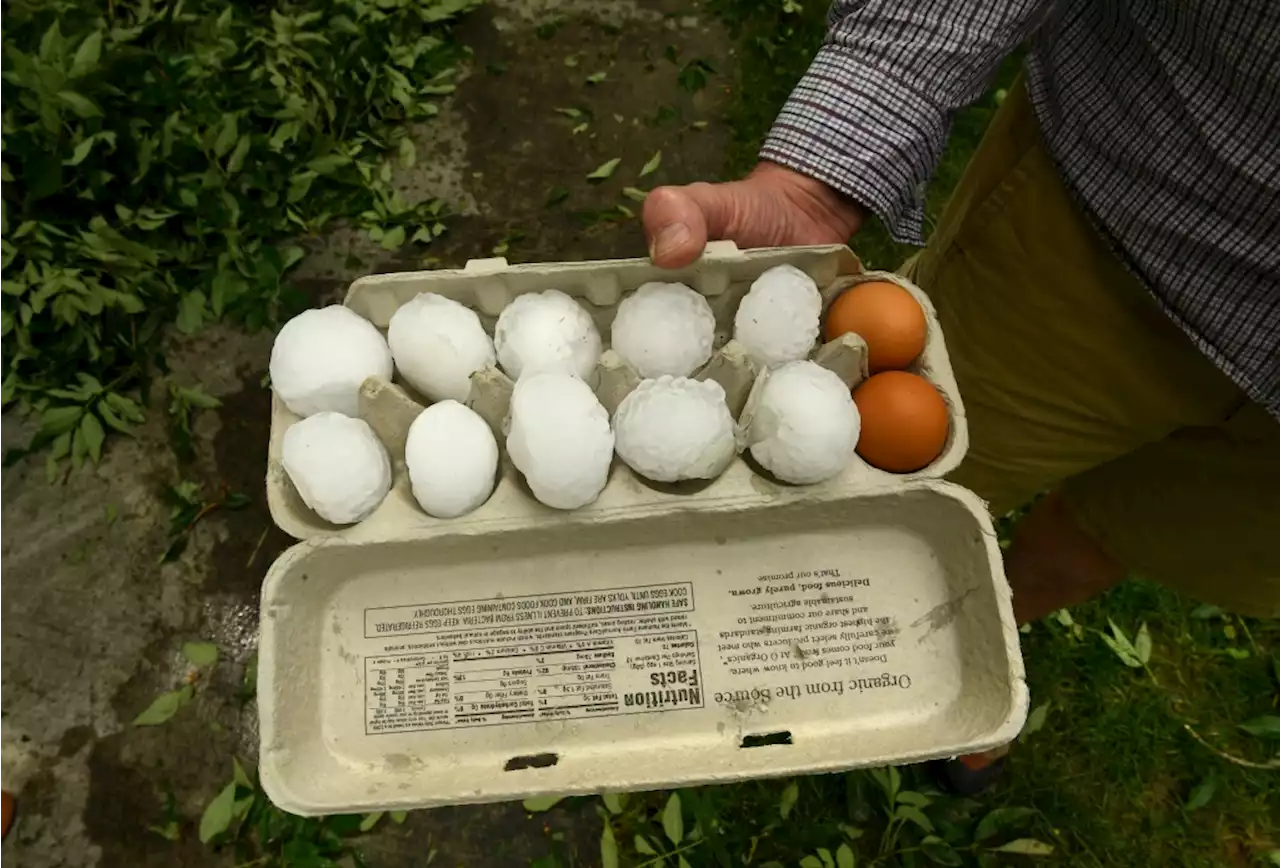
(871, 116)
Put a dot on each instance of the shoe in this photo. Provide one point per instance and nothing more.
(967, 775)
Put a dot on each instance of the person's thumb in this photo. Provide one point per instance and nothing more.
(678, 221)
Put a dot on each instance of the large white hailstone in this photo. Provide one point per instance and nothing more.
(321, 357)
(546, 332)
(778, 318)
(559, 438)
(672, 428)
(338, 466)
(664, 329)
(452, 458)
(805, 425)
(437, 345)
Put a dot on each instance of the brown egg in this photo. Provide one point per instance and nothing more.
(904, 421)
(884, 315)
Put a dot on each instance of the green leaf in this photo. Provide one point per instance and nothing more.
(236, 163)
(919, 800)
(80, 152)
(369, 821)
(1025, 847)
(200, 653)
(614, 802)
(844, 857)
(1205, 611)
(1202, 793)
(608, 848)
(398, 817)
(597, 77)
(1142, 644)
(604, 170)
(1266, 726)
(163, 707)
(939, 851)
(634, 194)
(328, 164)
(218, 814)
(914, 815)
(191, 312)
(652, 166)
(227, 135)
(92, 434)
(1036, 719)
(393, 238)
(196, 396)
(538, 804)
(1274, 857)
(81, 105)
(408, 152)
(1119, 643)
(86, 58)
(59, 420)
(239, 775)
(811, 862)
(300, 185)
(240, 809)
(169, 830)
(673, 820)
(889, 780)
(790, 795)
(1002, 820)
(643, 847)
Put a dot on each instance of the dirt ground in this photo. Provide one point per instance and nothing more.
(94, 623)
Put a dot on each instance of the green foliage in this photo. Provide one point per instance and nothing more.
(188, 505)
(242, 819)
(880, 817)
(159, 156)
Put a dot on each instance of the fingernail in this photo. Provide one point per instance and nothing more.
(669, 240)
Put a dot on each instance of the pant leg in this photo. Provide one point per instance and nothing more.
(1064, 361)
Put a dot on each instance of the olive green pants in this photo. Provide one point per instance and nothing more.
(1072, 378)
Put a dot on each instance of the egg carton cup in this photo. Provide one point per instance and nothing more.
(661, 637)
(723, 275)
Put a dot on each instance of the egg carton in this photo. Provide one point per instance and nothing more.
(663, 636)
(723, 276)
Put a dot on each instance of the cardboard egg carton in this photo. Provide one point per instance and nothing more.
(723, 276)
(662, 636)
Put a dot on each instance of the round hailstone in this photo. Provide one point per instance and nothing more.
(321, 357)
(664, 329)
(546, 332)
(559, 438)
(673, 428)
(805, 425)
(778, 318)
(338, 466)
(437, 345)
(452, 458)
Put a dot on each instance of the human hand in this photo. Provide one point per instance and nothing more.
(772, 207)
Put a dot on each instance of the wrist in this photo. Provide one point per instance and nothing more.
(818, 201)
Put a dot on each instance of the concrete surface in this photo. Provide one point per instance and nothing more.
(93, 624)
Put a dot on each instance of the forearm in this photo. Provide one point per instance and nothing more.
(871, 116)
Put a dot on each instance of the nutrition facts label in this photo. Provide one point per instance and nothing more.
(546, 657)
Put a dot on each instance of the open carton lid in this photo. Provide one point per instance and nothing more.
(732, 639)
